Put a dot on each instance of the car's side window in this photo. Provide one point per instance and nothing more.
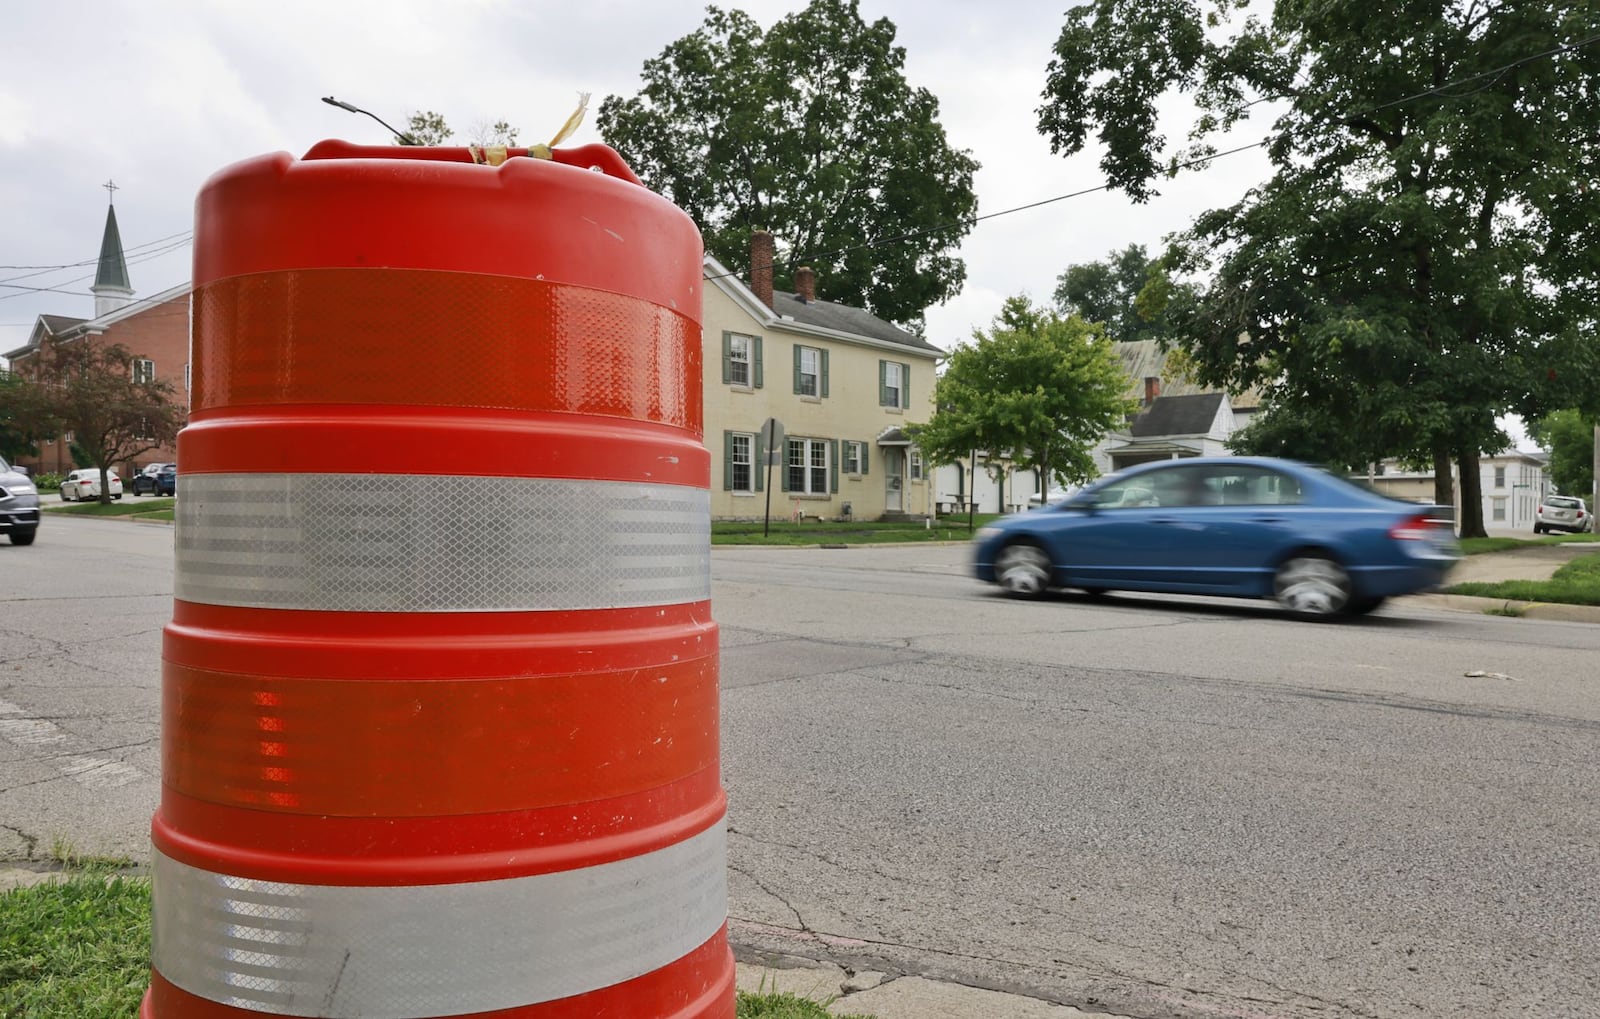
(1246, 485)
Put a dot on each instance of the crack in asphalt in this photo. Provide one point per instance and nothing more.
(30, 841)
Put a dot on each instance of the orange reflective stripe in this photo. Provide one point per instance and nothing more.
(327, 336)
(351, 747)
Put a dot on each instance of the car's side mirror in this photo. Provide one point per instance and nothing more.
(1089, 502)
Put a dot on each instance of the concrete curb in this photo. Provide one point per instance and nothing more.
(1507, 607)
(887, 996)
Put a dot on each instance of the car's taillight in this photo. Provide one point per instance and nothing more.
(1412, 528)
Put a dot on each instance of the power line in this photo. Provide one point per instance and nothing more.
(1188, 164)
(185, 234)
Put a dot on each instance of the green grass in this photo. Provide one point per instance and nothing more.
(832, 532)
(1576, 583)
(75, 949)
(127, 506)
(1478, 546)
(775, 1005)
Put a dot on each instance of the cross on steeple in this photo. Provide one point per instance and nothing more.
(111, 189)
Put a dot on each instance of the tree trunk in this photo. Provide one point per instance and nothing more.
(1470, 522)
(1443, 491)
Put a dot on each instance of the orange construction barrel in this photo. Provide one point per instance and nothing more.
(439, 693)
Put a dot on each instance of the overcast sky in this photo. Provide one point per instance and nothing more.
(159, 94)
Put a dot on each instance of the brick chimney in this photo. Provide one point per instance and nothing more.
(1152, 389)
(805, 283)
(761, 257)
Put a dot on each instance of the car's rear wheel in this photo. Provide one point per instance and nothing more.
(23, 537)
(1312, 586)
(1023, 570)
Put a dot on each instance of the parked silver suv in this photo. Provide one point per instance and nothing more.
(19, 505)
(1563, 513)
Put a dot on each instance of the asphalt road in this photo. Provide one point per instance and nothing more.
(1143, 805)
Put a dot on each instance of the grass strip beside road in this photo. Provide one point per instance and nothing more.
(834, 532)
(79, 948)
(142, 509)
(75, 949)
(1479, 546)
(1576, 583)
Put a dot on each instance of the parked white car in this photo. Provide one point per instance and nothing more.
(1563, 513)
(84, 483)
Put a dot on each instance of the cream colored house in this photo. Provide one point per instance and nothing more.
(842, 383)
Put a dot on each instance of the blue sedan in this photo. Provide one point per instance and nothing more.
(1240, 527)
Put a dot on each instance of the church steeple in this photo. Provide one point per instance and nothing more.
(111, 287)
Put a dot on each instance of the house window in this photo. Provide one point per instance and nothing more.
(144, 370)
(810, 371)
(1499, 507)
(741, 360)
(1499, 477)
(186, 378)
(892, 384)
(855, 457)
(740, 466)
(916, 465)
(808, 466)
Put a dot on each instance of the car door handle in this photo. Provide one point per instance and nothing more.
(1164, 520)
(1268, 520)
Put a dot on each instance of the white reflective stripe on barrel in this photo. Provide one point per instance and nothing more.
(404, 543)
(435, 950)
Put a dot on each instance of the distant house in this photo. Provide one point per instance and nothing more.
(843, 384)
(155, 330)
(1512, 484)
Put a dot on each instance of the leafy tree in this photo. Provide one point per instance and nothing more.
(89, 389)
(426, 128)
(1038, 389)
(1568, 436)
(17, 434)
(1421, 255)
(811, 131)
(1108, 292)
(1299, 432)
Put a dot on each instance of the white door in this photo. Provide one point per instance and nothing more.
(894, 469)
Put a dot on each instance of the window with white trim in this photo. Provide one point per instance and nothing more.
(916, 464)
(893, 384)
(741, 462)
(852, 456)
(144, 370)
(741, 360)
(1499, 507)
(810, 371)
(808, 466)
(1500, 477)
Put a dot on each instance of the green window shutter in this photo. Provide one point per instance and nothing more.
(756, 356)
(833, 466)
(760, 466)
(797, 369)
(727, 461)
(864, 448)
(905, 385)
(824, 373)
(783, 468)
(727, 358)
(883, 383)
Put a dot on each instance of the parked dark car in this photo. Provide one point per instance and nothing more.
(167, 480)
(1242, 527)
(144, 482)
(19, 505)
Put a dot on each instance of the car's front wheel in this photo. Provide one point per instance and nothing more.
(23, 537)
(1313, 586)
(1023, 570)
